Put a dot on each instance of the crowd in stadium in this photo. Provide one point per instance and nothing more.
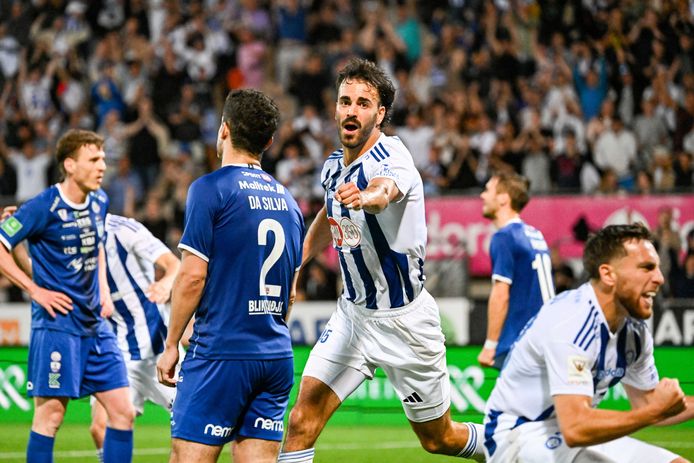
(593, 97)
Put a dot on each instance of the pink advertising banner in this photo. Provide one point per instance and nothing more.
(456, 226)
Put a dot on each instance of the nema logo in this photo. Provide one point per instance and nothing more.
(218, 431)
(269, 425)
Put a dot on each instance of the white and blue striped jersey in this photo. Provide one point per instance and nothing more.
(139, 324)
(381, 255)
(567, 348)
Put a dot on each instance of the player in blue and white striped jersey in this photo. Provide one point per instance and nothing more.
(580, 344)
(140, 317)
(374, 217)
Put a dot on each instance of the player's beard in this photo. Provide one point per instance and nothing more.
(361, 135)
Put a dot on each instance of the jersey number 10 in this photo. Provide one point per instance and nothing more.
(266, 226)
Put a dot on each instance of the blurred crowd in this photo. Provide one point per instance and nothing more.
(581, 96)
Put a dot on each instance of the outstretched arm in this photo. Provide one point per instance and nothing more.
(377, 195)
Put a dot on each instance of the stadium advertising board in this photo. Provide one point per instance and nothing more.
(373, 402)
(456, 226)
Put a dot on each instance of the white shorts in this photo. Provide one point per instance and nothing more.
(407, 343)
(541, 442)
(142, 376)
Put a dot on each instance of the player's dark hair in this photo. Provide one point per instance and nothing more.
(369, 72)
(608, 244)
(73, 140)
(516, 186)
(252, 118)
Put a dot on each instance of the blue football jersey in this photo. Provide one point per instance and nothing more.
(250, 230)
(520, 257)
(64, 239)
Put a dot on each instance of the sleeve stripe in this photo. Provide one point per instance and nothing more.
(502, 279)
(193, 251)
(6, 243)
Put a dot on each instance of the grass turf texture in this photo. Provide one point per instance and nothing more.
(358, 444)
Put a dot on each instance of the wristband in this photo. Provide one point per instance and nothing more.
(489, 344)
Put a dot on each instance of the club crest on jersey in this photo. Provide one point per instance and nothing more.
(63, 214)
(345, 232)
(95, 207)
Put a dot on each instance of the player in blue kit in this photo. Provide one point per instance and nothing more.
(374, 217)
(241, 249)
(72, 352)
(521, 267)
(544, 405)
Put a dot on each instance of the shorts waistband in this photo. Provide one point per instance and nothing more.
(387, 313)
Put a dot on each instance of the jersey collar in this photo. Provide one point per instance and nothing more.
(78, 206)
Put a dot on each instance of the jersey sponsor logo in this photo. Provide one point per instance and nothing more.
(11, 226)
(218, 431)
(345, 232)
(256, 185)
(269, 425)
(76, 264)
(265, 307)
(579, 370)
(387, 171)
(613, 372)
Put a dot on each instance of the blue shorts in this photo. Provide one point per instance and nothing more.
(220, 400)
(67, 365)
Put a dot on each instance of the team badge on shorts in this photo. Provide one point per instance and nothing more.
(553, 441)
(54, 375)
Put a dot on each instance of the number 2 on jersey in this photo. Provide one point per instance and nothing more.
(543, 266)
(266, 226)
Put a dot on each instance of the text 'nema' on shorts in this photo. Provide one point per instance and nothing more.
(218, 400)
(67, 365)
(407, 343)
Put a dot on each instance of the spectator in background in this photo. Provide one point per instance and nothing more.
(32, 170)
(683, 279)
(650, 132)
(615, 149)
(591, 87)
(684, 171)
(566, 167)
(417, 136)
(291, 38)
(669, 245)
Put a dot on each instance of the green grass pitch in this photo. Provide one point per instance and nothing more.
(354, 444)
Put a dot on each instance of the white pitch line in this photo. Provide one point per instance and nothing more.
(345, 447)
